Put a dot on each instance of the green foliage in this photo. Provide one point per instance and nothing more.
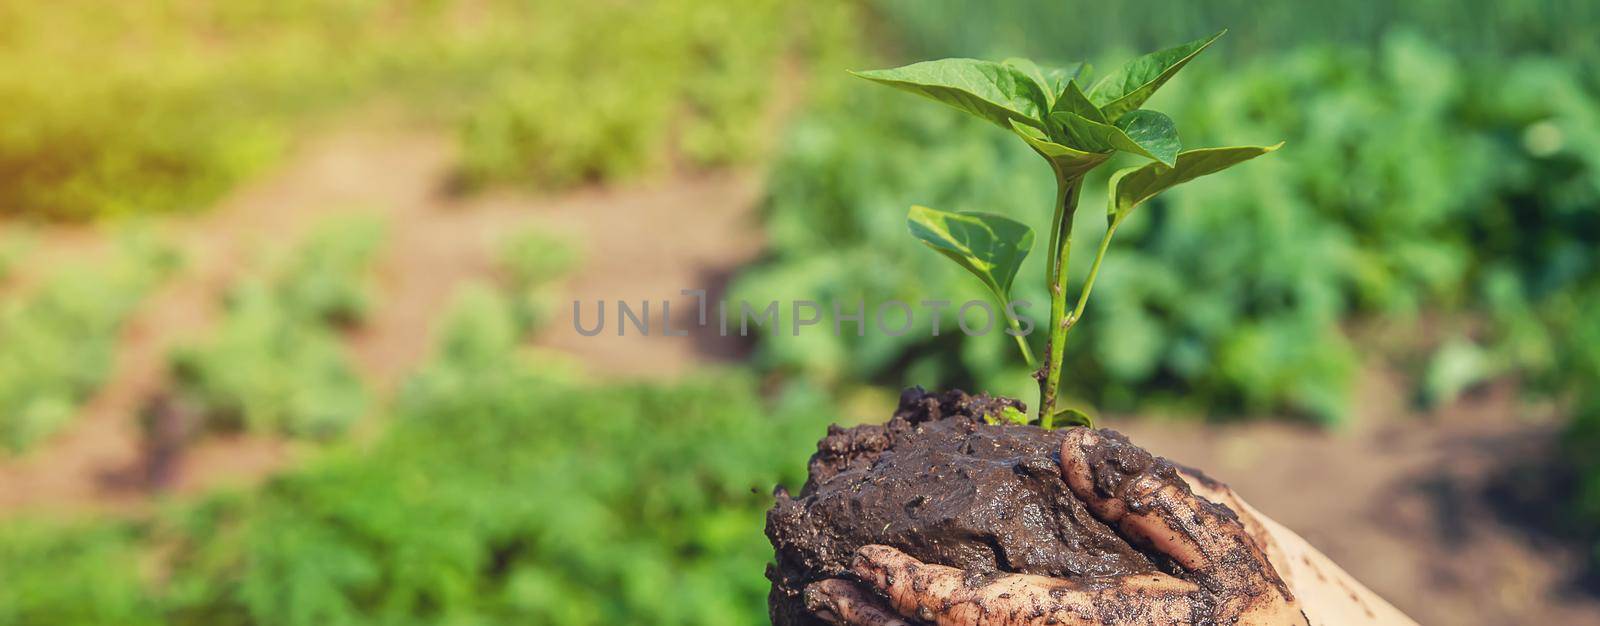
(267, 370)
(1134, 185)
(500, 494)
(990, 246)
(533, 261)
(325, 277)
(997, 92)
(72, 574)
(57, 338)
(276, 364)
(1417, 180)
(1068, 129)
(695, 77)
(1124, 90)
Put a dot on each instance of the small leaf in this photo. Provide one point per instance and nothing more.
(1134, 185)
(1068, 162)
(1073, 100)
(1157, 137)
(1052, 81)
(1071, 417)
(1012, 415)
(1152, 131)
(990, 246)
(1127, 88)
(1060, 76)
(993, 91)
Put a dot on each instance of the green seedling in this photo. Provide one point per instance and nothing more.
(1075, 129)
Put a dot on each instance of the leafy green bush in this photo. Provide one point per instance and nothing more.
(267, 370)
(1410, 180)
(277, 363)
(57, 339)
(533, 259)
(325, 277)
(73, 574)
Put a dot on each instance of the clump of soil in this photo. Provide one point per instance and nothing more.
(941, 484)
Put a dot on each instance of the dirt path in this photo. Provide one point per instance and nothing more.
(435, 243)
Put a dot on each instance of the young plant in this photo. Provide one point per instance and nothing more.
(1075, 130)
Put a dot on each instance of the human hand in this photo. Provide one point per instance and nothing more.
(1241, 568)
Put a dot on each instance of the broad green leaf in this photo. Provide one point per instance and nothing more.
(1067, 161)
(1071, 417)
(1034, 72)
(993, 91)
(990, 246)
(1152, 136)
(1134, 185)
(1130, 85)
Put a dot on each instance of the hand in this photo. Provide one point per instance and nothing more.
(1227, 549)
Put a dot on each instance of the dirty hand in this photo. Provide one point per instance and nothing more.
(1227, 549)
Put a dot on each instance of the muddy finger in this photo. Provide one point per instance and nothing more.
(1144, 497)
(950, 597)
(844, 603)
(1216, 491)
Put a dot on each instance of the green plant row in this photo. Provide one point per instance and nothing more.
(277, 363)
(502, 493)
(57, 338)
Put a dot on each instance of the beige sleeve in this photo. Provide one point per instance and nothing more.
(1329, 595)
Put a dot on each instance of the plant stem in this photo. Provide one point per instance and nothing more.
(1067, 190)
(1022, 341)
(1094, 270)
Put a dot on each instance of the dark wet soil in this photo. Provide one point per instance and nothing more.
(941, 484)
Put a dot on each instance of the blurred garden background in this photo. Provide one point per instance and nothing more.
(286, 293)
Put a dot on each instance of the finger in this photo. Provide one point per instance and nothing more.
(947, 596)
(1216, 491)
(843, 603)
(1145, 498)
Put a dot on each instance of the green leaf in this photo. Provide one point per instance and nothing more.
(1068, 162)
(1073, 100)
(990, 246)
(1153, 132)
(1153, 135)
(1071, 417)
(993, 91)
(1127, 88)
(1011, 415)
(1134, 185)
(1036, 74)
